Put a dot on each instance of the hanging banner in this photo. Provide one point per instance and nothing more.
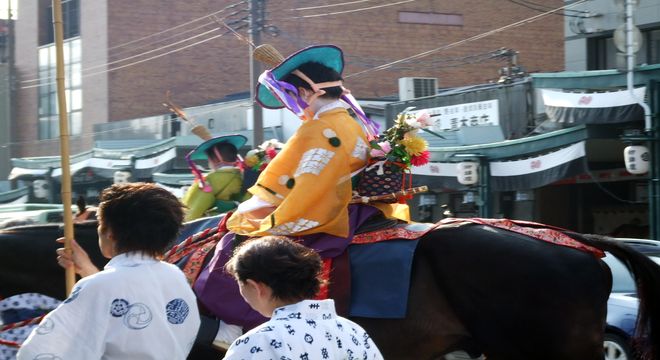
(593, 108)
(464, 115)
(540, 170)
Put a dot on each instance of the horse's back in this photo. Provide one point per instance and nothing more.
(507, 287)
(28, 261)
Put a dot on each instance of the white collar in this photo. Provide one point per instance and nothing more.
(325, 307)
(130, 259)
(330, 106)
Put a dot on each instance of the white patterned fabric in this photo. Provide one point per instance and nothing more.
(19, 308)
(308, 330)
(293, 227)
(314, 161)
(136, 308)
(360, 150)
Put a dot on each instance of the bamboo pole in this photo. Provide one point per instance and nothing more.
(70, 275)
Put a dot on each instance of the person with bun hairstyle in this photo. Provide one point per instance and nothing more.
(279, 278)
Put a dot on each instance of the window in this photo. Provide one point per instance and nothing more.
(48, 115)
(602, 53)
(70, 21)
(653, 46)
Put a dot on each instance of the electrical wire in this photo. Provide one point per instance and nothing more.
(133, 56)
(460, 42)
(139, 61)
(35, 77)
(436, 62)
(329, 5)
(550, 7)
(346, 11)
(177, 26)
(527, 5)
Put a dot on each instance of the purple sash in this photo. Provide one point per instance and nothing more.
(218, 292)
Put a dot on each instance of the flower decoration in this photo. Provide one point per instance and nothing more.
(262, 155)
(401, 143)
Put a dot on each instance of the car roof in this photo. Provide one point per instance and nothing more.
(645, 246)
(638, 241)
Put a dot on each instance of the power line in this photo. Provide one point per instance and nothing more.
(178, 26)
(329, 5)
(179, 33)
(140, 61)
(530, 5)
(460, 42)
(550, 7)
(346, 11)
(135, 56)
(34, 75)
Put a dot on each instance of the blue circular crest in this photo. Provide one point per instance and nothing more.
(177, 310)
(74, 294)
(119, 307)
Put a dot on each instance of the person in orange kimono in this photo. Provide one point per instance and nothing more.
(306, 189)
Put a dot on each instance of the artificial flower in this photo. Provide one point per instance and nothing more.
(271, 152)
(421, 159)
(258, 158)
(422, 120)
(252, 158)
(400, 143)
(414, 145)
(382, 150)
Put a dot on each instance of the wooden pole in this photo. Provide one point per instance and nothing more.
(255, 70)
(70, 275)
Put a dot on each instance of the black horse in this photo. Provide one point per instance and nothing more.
(473, 287)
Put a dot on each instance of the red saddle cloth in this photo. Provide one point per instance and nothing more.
(547, 233)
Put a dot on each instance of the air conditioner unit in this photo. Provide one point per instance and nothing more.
(415, 87)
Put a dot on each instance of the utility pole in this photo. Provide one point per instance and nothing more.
(257, 9)
(12, 79)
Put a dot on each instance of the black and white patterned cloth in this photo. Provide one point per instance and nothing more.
(308, 330)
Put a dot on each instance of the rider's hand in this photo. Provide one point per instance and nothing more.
(77, 258)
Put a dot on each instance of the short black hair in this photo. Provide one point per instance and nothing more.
(141, 216)
(82, 204)
(291, 270)
(318, 73)
(227, 150)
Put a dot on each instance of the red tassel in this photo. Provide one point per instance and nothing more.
(326, 266)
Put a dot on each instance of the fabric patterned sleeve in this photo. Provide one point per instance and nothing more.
(74, 330)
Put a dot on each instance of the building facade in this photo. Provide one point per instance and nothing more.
(590, 41)
(123, 56)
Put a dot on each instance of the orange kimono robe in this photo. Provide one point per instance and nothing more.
(308, 184)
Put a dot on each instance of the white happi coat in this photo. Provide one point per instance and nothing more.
(308, 330)
(136, 308)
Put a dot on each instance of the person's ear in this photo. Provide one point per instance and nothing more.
(262, 290)
(303, 92)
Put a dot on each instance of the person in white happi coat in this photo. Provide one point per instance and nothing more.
(278, 278)
(138, 307)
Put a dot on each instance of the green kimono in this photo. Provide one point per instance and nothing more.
(225, 194)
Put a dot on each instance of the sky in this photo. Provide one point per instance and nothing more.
(3, 8)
